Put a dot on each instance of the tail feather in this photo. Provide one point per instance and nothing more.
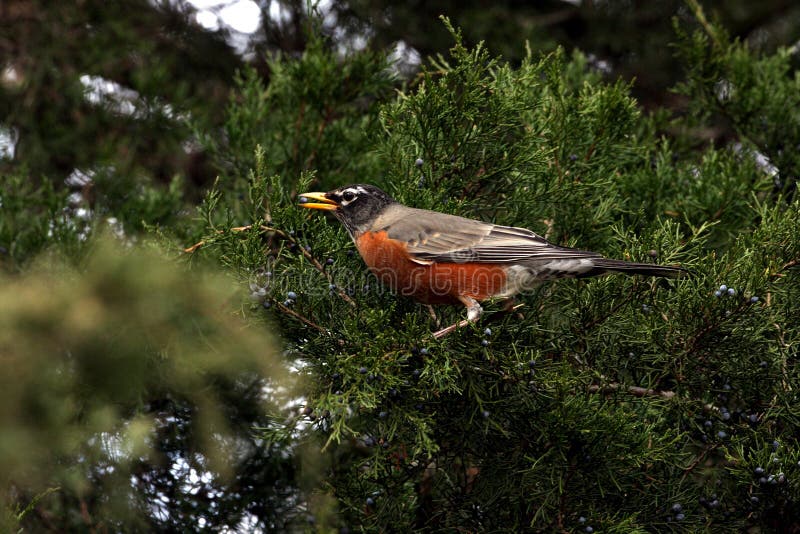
(602, 265)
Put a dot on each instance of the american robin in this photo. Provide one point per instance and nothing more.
(438, 258)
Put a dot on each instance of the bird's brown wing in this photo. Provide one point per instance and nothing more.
(438, 237)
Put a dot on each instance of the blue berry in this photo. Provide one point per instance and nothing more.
(292, 295)
(484, 343)
(329, 261)
(759, 471)
(776, 444)
(677, 507)
(714, 504)
(532, 364)
(383, 415)
(589, 530)
(754, 299)
(581, 520)
(731, 291)
(415, 373)
(288, 302)
(419, 162)
(680, 517)
(753, 418)
(423, 351)
(487, 332)
(267, 304)
(486, 414)
(370, 501)
(722, 434)
(302, 200)
(362, 370)
(723, 288)
(708, 424)
(717, 293)
(763, 365)
(573, 157)
(754, 499)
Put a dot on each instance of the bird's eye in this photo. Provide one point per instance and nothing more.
(348, 196)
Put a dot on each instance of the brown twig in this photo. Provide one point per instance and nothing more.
(197, 245)
(317, 265)
(789, 265)
(85, 515)
(597, 320)
(636, 391)
(304, 320)
(689, 468)
(710, 325)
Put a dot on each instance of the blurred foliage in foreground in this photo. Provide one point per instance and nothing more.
(130, 383)
(615, 404)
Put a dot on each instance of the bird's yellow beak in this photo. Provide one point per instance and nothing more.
(322, 203)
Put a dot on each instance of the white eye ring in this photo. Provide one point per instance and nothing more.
(348, 196)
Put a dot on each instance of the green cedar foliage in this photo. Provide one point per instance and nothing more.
(317, 112)
(757, 94)
(624, 404)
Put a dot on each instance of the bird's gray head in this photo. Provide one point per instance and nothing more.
(356, 206)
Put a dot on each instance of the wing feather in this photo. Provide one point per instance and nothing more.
(438, 237)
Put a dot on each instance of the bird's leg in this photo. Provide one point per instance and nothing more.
(474, 312)
(433, 316)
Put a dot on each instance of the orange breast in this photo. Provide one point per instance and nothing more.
(437, 283)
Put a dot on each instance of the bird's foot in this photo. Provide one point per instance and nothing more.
(474, 312)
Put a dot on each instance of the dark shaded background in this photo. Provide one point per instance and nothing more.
(178, 69)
